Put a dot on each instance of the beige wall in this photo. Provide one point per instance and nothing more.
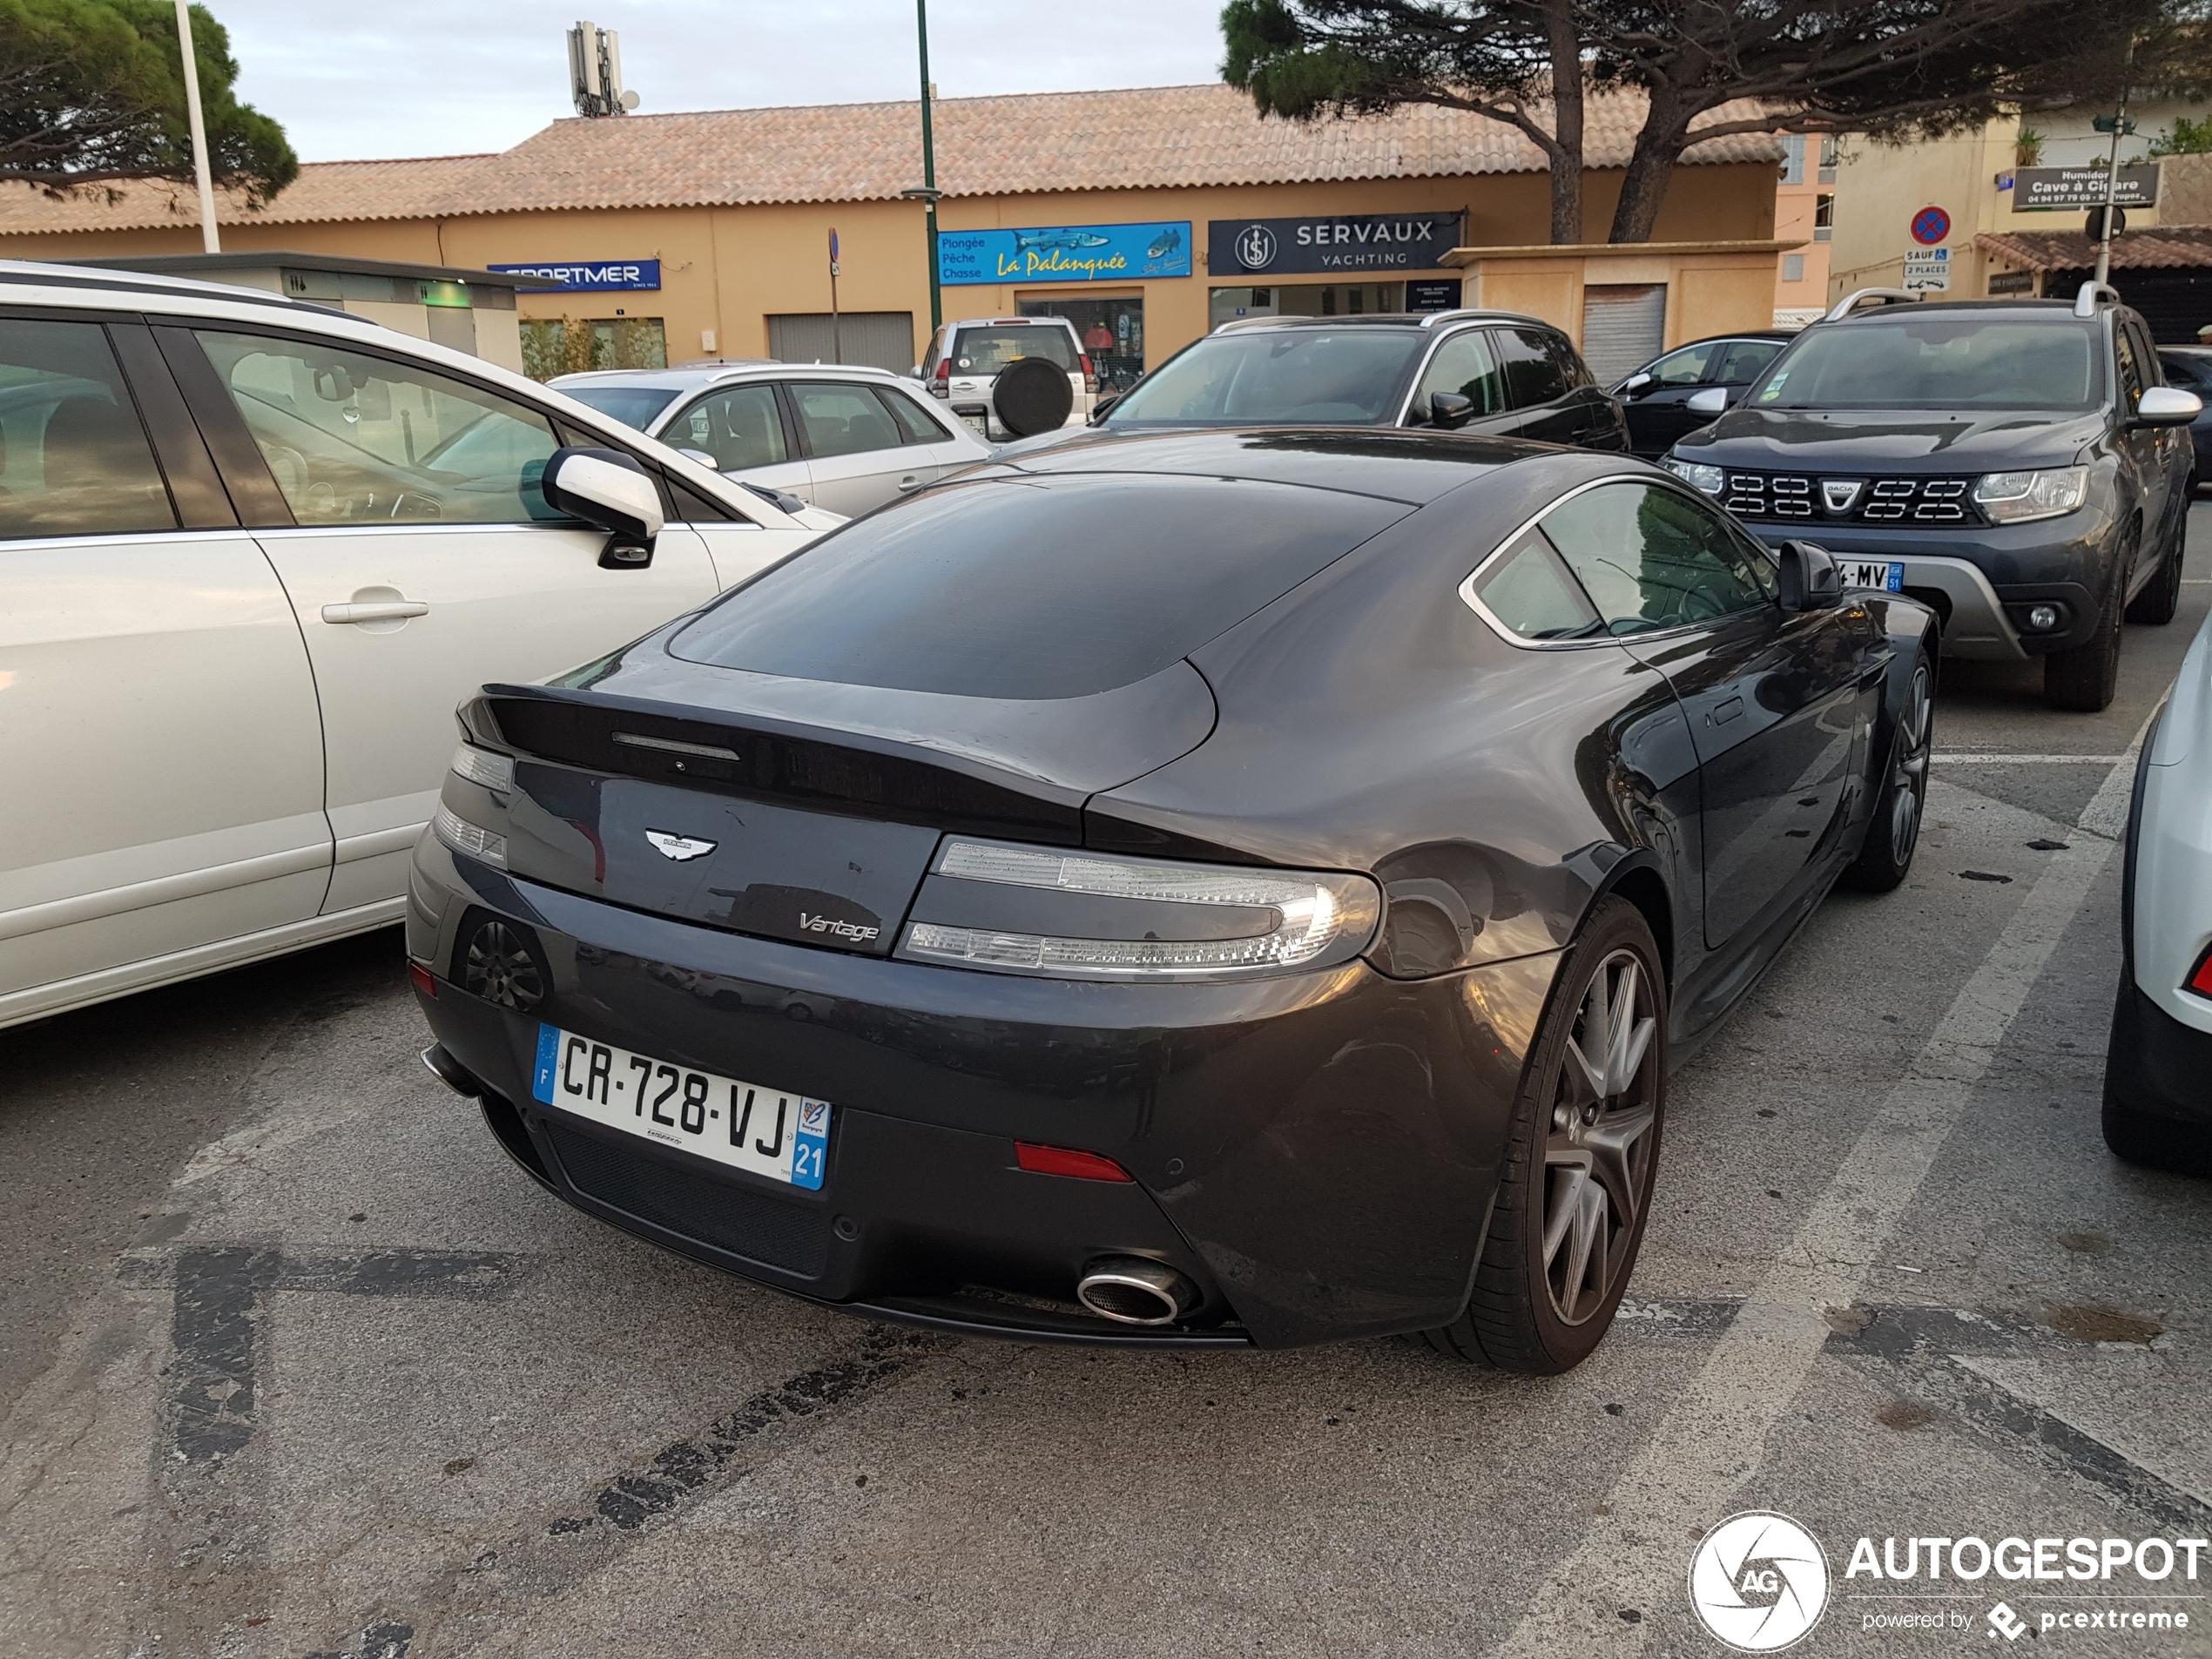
(1709, 291)
(726, 270)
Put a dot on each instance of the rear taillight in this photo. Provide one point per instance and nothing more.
(423, 979)
(2200, 978)
(944, 368)
(1090, 374)
(1065, 1160)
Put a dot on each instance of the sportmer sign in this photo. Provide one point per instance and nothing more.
(1760, 1583)
(1334, 244)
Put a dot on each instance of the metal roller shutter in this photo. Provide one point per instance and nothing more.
(1624, 325)
(873, 339)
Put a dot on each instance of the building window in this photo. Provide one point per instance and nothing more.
(571, 345)
(1830, 153)
(1824, 216)
(1793, 267)
(1793, 158)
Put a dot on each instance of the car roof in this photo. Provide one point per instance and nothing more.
(684, 379)
(2056, 309)
(1395, 462)
(1383, 320)
(1001, 322)
(33, 273)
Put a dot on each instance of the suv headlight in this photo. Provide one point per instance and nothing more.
(1079, 915)
(2014, 497)
(1696, 474)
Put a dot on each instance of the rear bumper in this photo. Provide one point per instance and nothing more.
(1317, 1153)
(2155, 1064)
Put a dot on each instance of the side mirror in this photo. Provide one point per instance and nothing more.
(1810, 580)
(612, 491)
(2167, 406)
(916, 371)
(702, 457)
(1450, 409)
(1635, 383)
(1712, 400)
(1106, 400)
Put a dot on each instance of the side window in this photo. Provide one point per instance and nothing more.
(1532, 372)
(915, 423)
(74, 459)
(1651, 558)
(1686, 367)
(2147, 355)
(2131, 372)
(1529, 591)
(1466, 365)
(1743, 359)
(354, 439)
(1569, 362)
(739, 426)
(842, 419)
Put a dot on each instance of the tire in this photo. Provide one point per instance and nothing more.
(2083, 679)
(2157, 603)
(2156, 1142)
(1580, 1160)
(1893, 828)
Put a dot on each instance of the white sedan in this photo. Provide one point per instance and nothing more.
(2158, 1070)
(253, 552)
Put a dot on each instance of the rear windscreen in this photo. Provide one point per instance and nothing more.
(1279, 377)
(986, 351)
(1034, 588)
(1945, 360)
(631, 405)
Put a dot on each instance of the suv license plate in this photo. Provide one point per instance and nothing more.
(765, 1131)
(1886, 575)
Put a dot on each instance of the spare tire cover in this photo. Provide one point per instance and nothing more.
(1032, 396)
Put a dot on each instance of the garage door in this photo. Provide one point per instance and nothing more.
(1624, 324)
(875, 338)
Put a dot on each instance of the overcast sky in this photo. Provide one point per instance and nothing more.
(416, 77)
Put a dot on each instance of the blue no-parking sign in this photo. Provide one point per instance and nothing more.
(1930, 225)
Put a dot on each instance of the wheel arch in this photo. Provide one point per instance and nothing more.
(1637, 879)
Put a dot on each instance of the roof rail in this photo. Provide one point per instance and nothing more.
(1859, 297)
(2085, 302)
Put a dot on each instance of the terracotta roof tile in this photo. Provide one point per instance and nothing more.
(2161, 248)
(1143, 138)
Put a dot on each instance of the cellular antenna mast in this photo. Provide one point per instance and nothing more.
(594, 71)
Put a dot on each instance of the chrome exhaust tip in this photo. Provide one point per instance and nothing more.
(451, 1072)
(1129, 1290)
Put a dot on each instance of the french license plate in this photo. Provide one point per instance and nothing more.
(1884, 574)
(747, 1126)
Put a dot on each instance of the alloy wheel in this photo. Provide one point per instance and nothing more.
(500, 969)
(1910, 785)
(1598, 1156)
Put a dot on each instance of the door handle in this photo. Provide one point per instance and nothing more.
(380, 611)
(909, 483)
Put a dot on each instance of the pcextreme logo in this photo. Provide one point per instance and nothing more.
(1758, 1582)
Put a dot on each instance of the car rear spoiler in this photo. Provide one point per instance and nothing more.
(1859, 297)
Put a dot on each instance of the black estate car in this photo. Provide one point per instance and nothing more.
(2019, 464)
(1206, 888)
(2189, 369)
(1493, 374)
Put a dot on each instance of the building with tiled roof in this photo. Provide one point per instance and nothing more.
(733, 208)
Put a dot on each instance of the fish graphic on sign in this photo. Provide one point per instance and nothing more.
(1165, 244)
(1066, 241)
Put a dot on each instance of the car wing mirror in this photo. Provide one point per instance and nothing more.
(1450, 408)
(2167, 406)
(1106, 402)
(1712, 400)
(702, 457)
(1810, 579)
(611, 492)
(1636, 383)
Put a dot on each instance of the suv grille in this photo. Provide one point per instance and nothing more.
(1866, 501)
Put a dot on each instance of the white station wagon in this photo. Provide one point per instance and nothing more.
(251, 554)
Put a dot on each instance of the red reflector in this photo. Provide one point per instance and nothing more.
(1064, 1160)
(2200, 981)
(944, 368)
(1084, 359)
(425, 981)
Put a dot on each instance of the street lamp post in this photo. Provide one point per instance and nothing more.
(210, 237)
(929, 166)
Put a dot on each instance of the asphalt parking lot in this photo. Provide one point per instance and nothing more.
(294, 1362)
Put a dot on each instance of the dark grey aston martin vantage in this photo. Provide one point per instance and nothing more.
(1212, 888)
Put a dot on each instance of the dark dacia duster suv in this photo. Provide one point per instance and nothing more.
(2018, 465)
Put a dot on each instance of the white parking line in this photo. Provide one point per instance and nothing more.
(1635, 1553)
(1943, 760)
